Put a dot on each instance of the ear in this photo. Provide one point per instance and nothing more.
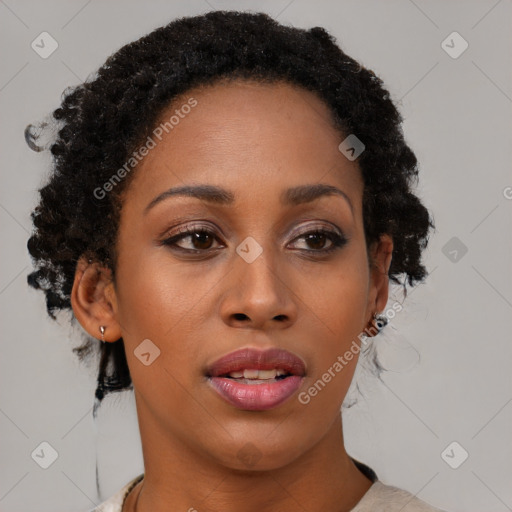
(94, 301)
(381, 253)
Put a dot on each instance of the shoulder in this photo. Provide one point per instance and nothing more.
(115, 502)
(386, 498)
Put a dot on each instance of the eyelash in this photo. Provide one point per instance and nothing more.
(337, 241)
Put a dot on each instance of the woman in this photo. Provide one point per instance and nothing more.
(229, 200)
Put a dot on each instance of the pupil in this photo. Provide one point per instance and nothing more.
(317, 236)
(199, 237)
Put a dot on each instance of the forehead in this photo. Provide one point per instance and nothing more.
(245, 136)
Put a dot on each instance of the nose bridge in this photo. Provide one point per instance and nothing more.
(258, 291)
(258, 266)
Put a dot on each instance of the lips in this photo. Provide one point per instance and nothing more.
(252, 359)
(255, 380)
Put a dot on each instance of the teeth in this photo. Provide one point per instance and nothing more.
(252, 374)
(257, 374)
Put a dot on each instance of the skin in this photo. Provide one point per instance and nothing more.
(256, 141)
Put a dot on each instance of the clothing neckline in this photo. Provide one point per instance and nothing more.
(129, 488)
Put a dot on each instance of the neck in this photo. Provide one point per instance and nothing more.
(323, 478)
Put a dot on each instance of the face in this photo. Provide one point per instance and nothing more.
(262, 266)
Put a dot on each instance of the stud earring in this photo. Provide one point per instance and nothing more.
(376, 324)
(102, 330)
(380, 321)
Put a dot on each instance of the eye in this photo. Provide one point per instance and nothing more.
(200, 239)
(318, 237)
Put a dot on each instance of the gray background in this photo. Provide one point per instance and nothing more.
(457, 120)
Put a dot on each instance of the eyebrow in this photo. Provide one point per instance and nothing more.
(213, 194)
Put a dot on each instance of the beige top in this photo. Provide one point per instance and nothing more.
(378, 498)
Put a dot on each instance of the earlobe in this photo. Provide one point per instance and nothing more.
(93, 302)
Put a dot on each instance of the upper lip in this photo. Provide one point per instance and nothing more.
(250, 358)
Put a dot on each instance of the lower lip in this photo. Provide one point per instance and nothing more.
(256, 397)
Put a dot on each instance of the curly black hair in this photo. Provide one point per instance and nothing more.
(103, 120)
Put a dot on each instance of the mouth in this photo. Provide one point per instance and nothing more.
(251, 379)
(255, 376)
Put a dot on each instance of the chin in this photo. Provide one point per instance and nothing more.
(254, 455)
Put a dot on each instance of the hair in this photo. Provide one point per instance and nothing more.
(101, 121)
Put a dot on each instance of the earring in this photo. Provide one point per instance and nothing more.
(102, 330)
(376, 324)
(380, 321)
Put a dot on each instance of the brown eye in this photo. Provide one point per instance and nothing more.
(199, 240)
(319, 237)
(317, 240)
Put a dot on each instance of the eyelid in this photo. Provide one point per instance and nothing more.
(317, 225)
(184, 224)
(336, 236)
(204, 225)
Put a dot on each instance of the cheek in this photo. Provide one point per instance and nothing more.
(338, 296)
(336, 350)
(155, 296)
(156, 303)
(339, 307)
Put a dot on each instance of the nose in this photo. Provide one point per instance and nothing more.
(258, 294)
